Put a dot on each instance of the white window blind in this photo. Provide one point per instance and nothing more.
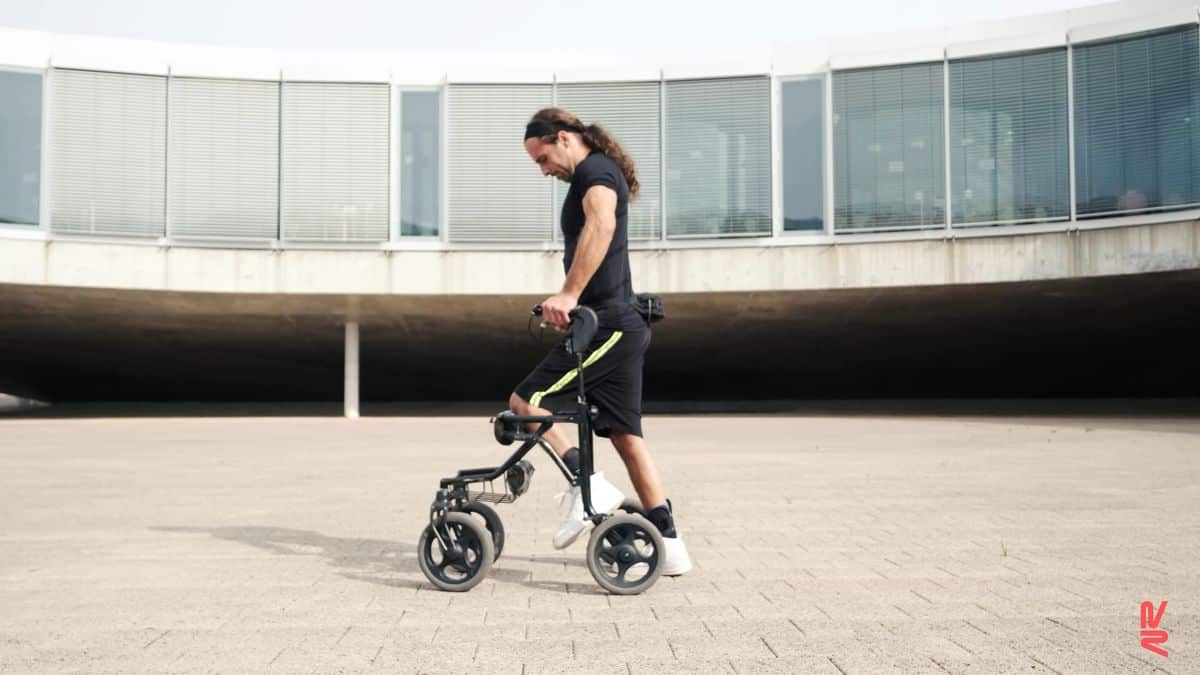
(109, 153)
(630, 113)
(496, 192)
(336, 144)
(888, 153)
(223, 159)
(1137, 109)
(718, 157)
(1008, 138)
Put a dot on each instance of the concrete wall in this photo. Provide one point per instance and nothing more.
(758, 266)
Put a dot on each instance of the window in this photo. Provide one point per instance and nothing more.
(803, 124)
(496, 193)
(1137, 106)
(109, 153)
(888, 152)
(20, 147)
(718, 157)
(420, 162)
(630, 112)
(1008, 139)
(223, 159)
(336, 147)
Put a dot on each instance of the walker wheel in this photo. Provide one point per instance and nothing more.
(492, 520)
(465, 563)
(625, 554)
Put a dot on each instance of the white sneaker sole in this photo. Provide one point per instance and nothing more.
(682, 563)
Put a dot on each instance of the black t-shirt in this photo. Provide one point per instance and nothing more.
(611, 286)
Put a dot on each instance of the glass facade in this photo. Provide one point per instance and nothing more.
(20, 147)
(957, 143)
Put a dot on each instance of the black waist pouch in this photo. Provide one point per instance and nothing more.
(649, 305)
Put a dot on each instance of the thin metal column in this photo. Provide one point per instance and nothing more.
(1071, 168)
(776, 123)
(947, 177)
(662, 156)
(45, 189)
(351, 370)
(827, 139)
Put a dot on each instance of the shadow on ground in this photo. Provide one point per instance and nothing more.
(376, 561)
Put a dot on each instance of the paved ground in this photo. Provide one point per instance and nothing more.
(852, 544)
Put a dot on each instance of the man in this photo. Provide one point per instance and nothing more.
(596, 261)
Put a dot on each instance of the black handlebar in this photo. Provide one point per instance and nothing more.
(584, 326)
(537, 311)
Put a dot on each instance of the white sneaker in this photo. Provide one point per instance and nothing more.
(605, 499)
(676, 560)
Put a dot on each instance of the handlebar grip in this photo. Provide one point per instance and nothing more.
(537, 311)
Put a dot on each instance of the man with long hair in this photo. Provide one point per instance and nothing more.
(596, 261)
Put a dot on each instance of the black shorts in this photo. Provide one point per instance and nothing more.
(612, 372)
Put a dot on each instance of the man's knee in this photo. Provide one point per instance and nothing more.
(624, 441)
(518, 404)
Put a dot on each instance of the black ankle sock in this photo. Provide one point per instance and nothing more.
(662, 519)
(571, 459)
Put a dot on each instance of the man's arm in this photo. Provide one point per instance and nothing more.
(599, 225)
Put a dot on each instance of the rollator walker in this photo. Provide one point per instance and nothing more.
(465, 535)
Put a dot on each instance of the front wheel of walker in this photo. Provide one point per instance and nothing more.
(491, 520)
(465, 563)
(625, 554)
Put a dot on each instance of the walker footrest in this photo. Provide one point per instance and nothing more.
(493, 497)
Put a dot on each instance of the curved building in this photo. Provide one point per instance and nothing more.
(1002, 209)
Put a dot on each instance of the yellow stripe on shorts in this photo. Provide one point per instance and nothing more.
(563, 381)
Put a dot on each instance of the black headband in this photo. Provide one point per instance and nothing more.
(540, 129)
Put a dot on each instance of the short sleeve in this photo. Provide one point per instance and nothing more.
(598, 170)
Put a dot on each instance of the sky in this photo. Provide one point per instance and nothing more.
(615, 26)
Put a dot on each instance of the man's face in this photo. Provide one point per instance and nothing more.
(551, 158)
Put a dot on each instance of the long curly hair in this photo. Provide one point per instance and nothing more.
(595, 137)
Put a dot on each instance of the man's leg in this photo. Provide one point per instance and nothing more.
(605, 496)
(642, 472)
(648, 484)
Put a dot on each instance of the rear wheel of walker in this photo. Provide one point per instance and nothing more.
(625, 554)
(492, 520)
(467, 561)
